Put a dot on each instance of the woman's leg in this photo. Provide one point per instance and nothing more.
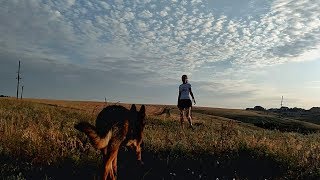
(181, 116)
(188, 115)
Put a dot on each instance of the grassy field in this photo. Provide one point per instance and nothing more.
(38, 141)
(263, 119)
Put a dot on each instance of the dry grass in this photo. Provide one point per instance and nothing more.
(42, 135)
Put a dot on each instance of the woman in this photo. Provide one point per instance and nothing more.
(184, 102)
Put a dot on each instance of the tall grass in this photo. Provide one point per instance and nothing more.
(42, 136)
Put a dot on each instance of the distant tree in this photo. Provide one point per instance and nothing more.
(259, 108)
(284, 108)
(296, 109)
(315, 109)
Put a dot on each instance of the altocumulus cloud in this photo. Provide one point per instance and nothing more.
(163, 39)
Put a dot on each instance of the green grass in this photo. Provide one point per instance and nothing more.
(265, 120)
(38, 141)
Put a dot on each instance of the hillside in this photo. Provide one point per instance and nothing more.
(263, 119)
(38, 141)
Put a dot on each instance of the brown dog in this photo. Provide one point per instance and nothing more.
(115, 125)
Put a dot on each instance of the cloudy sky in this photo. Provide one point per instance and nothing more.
(237, 53)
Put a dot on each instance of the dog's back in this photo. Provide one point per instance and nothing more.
(111, 117)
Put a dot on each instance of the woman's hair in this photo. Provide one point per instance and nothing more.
(184, 77)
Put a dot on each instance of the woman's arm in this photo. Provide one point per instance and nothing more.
(192, 96)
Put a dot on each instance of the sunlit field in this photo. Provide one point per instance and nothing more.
(38, 141)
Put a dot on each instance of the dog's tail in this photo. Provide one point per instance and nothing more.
(98, 142)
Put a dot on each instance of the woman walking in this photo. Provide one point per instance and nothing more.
(184, 101)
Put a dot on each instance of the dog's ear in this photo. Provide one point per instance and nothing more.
(133, 108)
(142, 110)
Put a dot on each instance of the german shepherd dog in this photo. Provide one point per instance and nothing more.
(115, 126)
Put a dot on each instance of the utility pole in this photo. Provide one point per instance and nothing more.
(105, 102)
(281, 101)
(18, 78)
(21, 92)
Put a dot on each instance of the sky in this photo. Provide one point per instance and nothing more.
(236, 53)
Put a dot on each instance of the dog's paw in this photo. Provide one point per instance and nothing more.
(140, 163)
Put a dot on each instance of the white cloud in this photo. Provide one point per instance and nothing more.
(146, 14)
(128, 16)
(141, 25)
(193, 2)
(119, 2)
(153, 6)
(219, 24)
(145, 1)
(55, 15)
(163, 13)
(184, 2)
(193, 38)
(105, 5)
(70, 2)
(150, 35)
(207, 27)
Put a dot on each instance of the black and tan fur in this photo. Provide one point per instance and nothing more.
(115, 126)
